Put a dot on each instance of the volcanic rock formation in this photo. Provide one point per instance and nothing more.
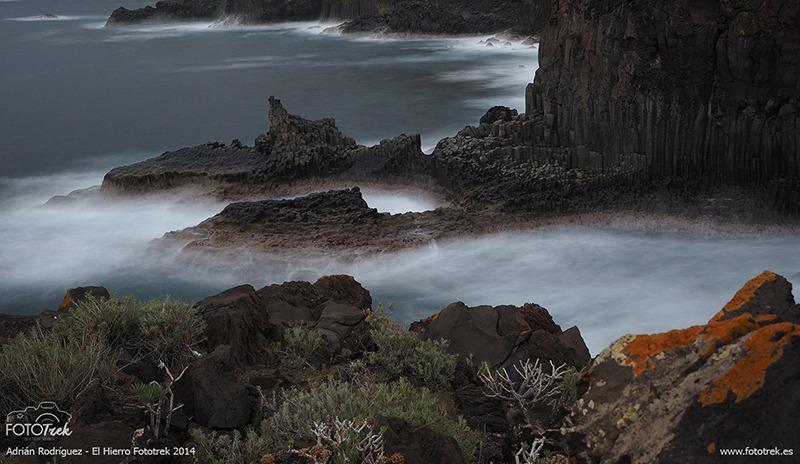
(367, 16)
(704, 90)
(683, 395)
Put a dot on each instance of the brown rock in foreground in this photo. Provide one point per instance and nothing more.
(248, 321)
(685, 395)
(504, 335)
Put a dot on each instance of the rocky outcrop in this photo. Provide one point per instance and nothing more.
(248, 11)
(419, 444)
(320, 223)
(701, 90)
(249, 321)
(504, 335)
(684, 395)
(445, 17)
(294, 149)
(77, 294)
(213, 165)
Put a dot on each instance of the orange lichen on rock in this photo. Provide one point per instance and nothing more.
(711, 448)
(421, 327)
(764, 347)
(643, 348)
(67, 301)
(722, 329)
(719, 333)
(746, 293)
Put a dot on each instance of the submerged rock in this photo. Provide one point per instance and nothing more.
(683, 395)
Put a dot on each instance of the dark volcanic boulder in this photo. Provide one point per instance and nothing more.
(498, 113)
(236, 318)
(504, 335)
(420, 445)
(211, 394)
(698, 89)
(248, 322)
(684, 395)
(75, 295)
(334, 305)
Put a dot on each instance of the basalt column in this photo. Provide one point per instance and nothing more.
(701, 89)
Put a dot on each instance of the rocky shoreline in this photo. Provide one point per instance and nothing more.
(418, 17)
(679, 395)
(650, 112)
(488, 178)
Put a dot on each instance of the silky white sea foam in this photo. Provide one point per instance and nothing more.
(608, 282)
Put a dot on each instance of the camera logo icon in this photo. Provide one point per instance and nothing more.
(43, 422)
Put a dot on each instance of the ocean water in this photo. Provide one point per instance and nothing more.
(77, 99)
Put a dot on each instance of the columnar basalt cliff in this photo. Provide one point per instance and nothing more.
(700, 89)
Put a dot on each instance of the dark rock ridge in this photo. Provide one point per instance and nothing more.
(409, 16)
(501, 171)
(337, 220)
(701, 90)
(294, 149)
(209, 164)
(439, 17)
(684, 395)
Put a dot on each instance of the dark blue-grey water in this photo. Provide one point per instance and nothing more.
(77, 99)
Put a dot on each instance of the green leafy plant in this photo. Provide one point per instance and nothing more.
(116, 321)
(154, 396)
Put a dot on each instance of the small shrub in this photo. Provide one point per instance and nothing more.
(168, 330)
(232, 448)
(44, 366)
(294, 411)
(347, 442)
(158, 330)
(113, 320)
(299, 344)
(400, 352)
(536, 386)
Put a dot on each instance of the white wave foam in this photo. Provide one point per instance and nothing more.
(53, 17)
